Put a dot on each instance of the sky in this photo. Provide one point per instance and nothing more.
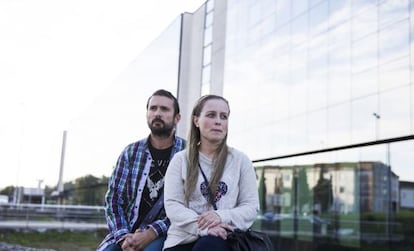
(55, 57)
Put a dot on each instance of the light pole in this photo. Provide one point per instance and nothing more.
(40, 191)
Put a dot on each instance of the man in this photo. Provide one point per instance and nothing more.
(137, 182)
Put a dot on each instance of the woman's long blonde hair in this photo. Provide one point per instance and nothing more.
(193, 153)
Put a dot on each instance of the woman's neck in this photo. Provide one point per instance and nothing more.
(208, 149)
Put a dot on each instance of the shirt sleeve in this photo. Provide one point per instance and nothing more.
(115, 201)
(160, 227)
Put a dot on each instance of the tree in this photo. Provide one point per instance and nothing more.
(9, 191)
(304, 192)
(323, 192)
(90, 190)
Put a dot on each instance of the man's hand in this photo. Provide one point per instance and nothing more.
(138, 240)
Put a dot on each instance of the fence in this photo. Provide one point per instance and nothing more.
(38, 216)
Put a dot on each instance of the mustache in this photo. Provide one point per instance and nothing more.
(157, 120)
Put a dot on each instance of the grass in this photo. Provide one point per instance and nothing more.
(57, 240)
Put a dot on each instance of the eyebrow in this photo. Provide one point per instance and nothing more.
(216, 112)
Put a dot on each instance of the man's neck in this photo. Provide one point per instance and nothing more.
(161, 142)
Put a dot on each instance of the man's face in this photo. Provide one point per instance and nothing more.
(160, 116)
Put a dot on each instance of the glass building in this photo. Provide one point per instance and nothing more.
(322, 100)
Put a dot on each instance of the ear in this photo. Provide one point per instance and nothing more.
(177, 118)
(195, 121)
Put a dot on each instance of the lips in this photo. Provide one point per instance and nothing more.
(157, 121)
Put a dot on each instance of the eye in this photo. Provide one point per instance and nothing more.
(224, 116)
(211, 115)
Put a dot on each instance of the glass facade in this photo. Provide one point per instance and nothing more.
(114, 118)
(207, 47)
(322, 98)
(356, 198)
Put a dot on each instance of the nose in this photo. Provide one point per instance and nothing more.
(157, 113)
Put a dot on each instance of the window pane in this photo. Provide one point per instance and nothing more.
(209, 19)
(207, 55)
(208, 35)
(364, 83)
(364, 124)
(395, 112)
(339, 125)
(395, 73)
(394, 42)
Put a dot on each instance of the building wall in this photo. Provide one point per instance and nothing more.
(202, 56)
(116, 117)
(191, 56)
(312, 74)
(301, 77)
(407, 198)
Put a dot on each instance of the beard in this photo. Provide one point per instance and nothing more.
(160, 128)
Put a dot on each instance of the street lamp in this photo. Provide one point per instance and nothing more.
(377, 117)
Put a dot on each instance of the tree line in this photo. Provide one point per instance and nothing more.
(85, 190)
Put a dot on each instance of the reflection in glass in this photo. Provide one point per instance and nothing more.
(363, 200)
(339, 124)
(365, 83)
(311, 75)
(207, 55)
(208, 35)
(365, 119)
(395, 73)
(209, 19)
(395, 111)
(392, 41)
(112, 118)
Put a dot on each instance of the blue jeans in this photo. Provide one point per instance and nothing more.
(205, 243)
(155, 245)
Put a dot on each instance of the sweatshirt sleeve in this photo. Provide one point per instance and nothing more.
(247, 206)
(177, 212)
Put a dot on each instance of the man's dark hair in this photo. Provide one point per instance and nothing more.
(165, 93)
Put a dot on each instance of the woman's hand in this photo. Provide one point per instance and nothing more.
(208, 219)
(220, 230)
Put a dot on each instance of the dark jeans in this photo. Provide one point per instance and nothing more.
(205, 243)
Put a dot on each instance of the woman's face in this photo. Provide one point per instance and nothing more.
(213, 120)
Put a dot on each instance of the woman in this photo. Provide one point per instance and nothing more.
(229, 184)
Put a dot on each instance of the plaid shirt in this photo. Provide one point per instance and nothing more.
(125, 189)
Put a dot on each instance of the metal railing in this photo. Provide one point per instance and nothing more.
(38, 216)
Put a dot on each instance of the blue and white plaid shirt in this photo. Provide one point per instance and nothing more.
(125, 189)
